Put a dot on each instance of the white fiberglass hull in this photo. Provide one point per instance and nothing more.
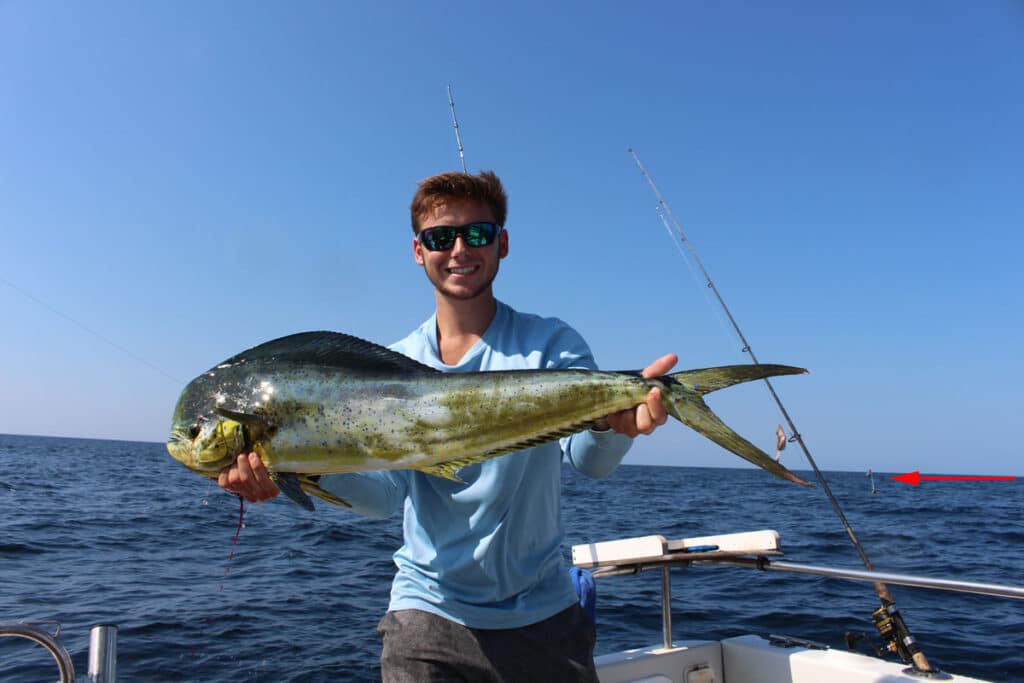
(752, 659)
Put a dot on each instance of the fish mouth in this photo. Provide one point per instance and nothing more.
(181, 450)
(180, 446)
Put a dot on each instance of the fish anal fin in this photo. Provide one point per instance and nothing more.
(539, 440)
(447, 470)
(310, 484)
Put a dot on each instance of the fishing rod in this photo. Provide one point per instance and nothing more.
(455, 122)
(887, 618)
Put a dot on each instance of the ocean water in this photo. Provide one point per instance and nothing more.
(117, 532)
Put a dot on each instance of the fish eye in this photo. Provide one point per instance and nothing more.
(194, 430)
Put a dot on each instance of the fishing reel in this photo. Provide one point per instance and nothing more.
(895, 634)
(898, 641)
(888, 622)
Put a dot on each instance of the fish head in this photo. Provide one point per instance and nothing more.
(207, 444)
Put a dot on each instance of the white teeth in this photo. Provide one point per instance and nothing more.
(461, 271)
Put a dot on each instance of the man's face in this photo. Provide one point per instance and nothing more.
(462, 272)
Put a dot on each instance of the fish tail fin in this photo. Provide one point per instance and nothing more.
(712, 379)
(683, 400)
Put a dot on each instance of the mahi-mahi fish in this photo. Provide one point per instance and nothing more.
(319, 403)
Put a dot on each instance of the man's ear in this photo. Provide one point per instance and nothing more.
(417, 251)
(503, 244)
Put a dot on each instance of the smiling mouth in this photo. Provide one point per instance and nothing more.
(462, 271)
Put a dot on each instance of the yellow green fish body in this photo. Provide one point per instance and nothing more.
(323, 402)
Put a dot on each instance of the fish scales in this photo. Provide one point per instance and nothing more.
(353, 422)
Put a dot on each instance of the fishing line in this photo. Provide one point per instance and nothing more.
(888, 620)
(91, 331)
(227, 570)
(234, 541)
(689, 267)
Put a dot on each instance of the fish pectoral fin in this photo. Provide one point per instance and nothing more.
(447, 470)
(311, 485)
(248, 419)
(290, 486)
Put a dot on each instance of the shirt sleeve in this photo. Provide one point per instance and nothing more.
(375, 495)
(595, 454)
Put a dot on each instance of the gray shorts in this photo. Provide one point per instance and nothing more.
(420, 647)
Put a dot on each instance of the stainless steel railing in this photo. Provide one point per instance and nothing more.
(102, 649)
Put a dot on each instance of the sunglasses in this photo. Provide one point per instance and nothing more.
(442, 237)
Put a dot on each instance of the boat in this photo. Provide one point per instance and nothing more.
(749, 658)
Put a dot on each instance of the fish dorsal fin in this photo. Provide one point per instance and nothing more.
(332, 349)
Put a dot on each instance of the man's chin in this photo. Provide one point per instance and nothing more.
(463, 293)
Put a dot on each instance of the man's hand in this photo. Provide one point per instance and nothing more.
(648, 416)
(249, 479)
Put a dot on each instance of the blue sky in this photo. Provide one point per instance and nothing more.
(183, 180)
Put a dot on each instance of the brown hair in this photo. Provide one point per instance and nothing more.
(485, 187)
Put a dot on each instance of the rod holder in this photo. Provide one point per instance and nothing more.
(103, 653)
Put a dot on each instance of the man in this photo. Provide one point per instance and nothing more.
(481, 592)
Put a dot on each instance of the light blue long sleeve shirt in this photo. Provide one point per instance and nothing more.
(487, 553)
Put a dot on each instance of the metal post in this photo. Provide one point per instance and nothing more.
(666, 607)
(103, 653)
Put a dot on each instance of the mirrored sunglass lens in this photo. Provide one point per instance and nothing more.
(478, 235)
(439, 239)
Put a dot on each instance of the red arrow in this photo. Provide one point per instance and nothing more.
(914, 478)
